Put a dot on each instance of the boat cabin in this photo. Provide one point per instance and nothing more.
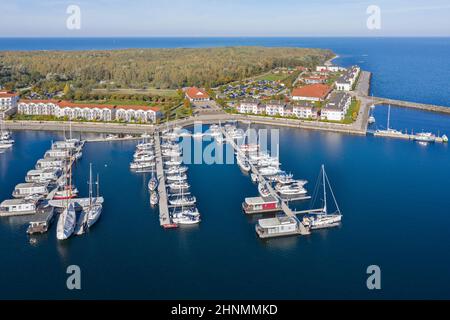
(261, 205)
(277, 227)
(49, 174)
(49, 163)
(23, 190)
(15, 207)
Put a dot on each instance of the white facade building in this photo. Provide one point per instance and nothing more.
(8, 100)
(249, 106)
(336, 108)
(75, 111)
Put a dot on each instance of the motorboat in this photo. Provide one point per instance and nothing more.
(290, 189)
(268, 171)
(179, 177)
(142, 165)
(173, 162)
(425, 137)
(179, 185)
(144, 158)
(176, 170)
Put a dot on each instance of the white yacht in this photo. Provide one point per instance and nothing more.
(323, 219)
(243, 164)
(390, 132)
(292, 189)
(173, 162)
(144, 158)
(154, 198)
(268, 171)
(176, 170)
(186, 217)
(263, 190)
(183, 201)
(153, 183)
(144, 146)
(95, 208)
(179, 177)
(179, 185)
(171, 153)
(66, 223)
(425, 137)
(142, 165)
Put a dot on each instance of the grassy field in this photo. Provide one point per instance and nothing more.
(272, 77)
(149, 91)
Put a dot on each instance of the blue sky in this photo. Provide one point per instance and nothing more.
(225, 18)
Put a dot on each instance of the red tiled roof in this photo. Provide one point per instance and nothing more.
(39, 101)
(7, 94)
(69, 104)
(312, 91)
(156, 109)
(196, 93)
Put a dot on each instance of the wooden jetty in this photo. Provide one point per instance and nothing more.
(302, 229)
(164, 217)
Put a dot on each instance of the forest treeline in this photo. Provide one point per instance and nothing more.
(158, 68)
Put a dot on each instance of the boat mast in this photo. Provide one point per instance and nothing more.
(332, 193)
(324, 190)
(90, 184)
(98, 186)
(389, 117)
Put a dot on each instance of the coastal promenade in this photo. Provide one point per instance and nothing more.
(115, 128)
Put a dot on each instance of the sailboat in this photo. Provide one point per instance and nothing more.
(323, 219)
(187, 216)
(389, 132)
(153, 183)
(67, 219)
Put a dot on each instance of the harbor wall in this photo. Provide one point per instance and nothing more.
(209, 119)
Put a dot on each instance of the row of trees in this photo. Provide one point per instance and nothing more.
(159, 68)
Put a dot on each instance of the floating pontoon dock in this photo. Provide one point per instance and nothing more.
(164, 217)
(302, 229)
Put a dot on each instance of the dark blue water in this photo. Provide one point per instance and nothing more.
(415, 69)
(392, 194)
(411, 121)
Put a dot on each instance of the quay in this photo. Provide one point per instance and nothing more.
(164, 217)
(301, 228)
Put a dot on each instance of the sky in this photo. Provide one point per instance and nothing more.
(202, 18)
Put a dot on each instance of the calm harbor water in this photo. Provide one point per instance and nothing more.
(391, 192)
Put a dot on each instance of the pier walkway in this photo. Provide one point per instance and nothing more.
(302, 230)
(164, 217)
(412, 105)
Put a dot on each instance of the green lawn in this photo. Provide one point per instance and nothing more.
(352, 112)
(272, 77)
